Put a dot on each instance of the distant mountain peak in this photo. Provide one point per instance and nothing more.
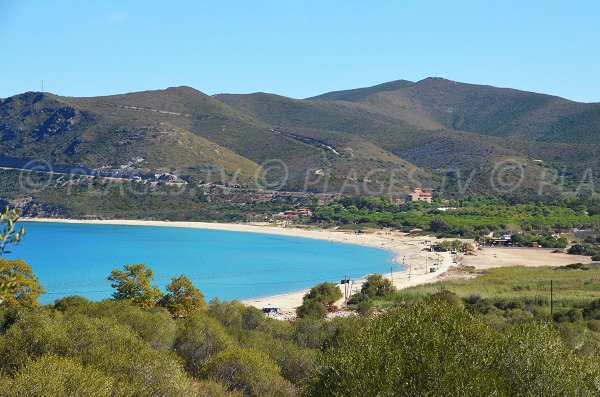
(182, 88)
(360, 93)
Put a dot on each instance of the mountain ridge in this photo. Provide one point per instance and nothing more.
(421, 127)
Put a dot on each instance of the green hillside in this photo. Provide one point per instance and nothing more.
(418, 132)
(482, 109)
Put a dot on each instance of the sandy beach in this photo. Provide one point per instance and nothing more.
(408, 250)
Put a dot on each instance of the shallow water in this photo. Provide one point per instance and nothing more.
(75, 259)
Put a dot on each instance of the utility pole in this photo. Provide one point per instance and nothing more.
(551, 298)
(346, 283)
(392, 274)
(345, 288)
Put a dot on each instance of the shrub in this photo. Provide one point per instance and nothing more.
(154, 326)
(326, 293)
(249, 370)
(71, 302)
(51, 376)
(311, 309)
(312, 333)
(377, 285)
(227, 313)
(210, 388)
(296, 363)
(571, 316)
(110, 347)
(443, 350)
(199, 338)
(592, 310)
(447, 297)
(365, 308)
(594, 325)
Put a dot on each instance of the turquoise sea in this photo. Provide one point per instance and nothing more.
(75, 259)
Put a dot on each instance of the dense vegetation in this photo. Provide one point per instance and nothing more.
(497, 334)
(521, 295)
(431, 341)
(473, 216)
(589, 246)
(439, 349)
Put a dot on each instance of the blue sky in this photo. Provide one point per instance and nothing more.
(297, 48)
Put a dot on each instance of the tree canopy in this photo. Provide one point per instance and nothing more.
(19, 285)
(326, 293)
(134, 284)
(377, 285)
(182, 298)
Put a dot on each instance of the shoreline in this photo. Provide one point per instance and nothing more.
(407, 251)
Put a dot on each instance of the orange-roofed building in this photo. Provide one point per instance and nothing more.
(420, 195)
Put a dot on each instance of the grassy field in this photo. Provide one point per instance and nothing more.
(572, 288)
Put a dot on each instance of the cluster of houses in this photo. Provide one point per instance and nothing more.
(296, 213)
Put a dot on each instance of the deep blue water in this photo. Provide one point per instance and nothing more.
(75, 259)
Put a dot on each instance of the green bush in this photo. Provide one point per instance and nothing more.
(313, 333)
(443, 350)
(199, 337)
(377, 285)
(154, 325)
(51, 376)
(311, 309)
(365, 308)
(210, 388)
(110, 347)
(326, 293)
(296, 363)
(251, 371)
(447, 297)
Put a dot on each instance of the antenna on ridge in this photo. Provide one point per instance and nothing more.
(42, 85)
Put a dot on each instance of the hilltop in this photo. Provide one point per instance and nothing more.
(417, 128)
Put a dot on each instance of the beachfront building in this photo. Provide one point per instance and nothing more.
(296, 213)
(419, 195)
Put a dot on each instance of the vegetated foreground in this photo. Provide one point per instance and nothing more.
(144, 342)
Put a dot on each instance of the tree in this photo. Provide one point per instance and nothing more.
(133, 284)
(319, 296)
(377, 285)
(183, 297)
(439, 225)
(8, 235)
(19, 285)
(326, 293)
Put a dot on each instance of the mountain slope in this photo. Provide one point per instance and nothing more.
(390, 135)
(484, 109)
